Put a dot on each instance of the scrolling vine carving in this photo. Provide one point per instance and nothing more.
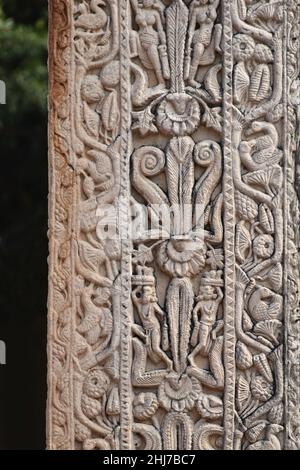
(175, 336)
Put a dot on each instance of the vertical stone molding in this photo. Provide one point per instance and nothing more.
(174, 225)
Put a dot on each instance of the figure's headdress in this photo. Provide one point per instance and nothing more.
(212, 278)
(144, 276)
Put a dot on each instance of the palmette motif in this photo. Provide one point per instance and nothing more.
(173, 336)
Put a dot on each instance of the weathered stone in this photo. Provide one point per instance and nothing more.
(173, 225)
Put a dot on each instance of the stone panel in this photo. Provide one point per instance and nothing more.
(173, 225)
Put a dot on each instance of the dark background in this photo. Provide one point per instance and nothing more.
(23, 222)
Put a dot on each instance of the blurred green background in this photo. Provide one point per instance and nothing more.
(23, 226)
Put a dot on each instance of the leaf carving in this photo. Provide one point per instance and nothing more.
(260, 83)
(180, 172)
(144, 121)
(243, 242)
(177, 21)
(241, 83)
(212, 117)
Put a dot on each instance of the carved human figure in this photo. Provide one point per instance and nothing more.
(204, 14)
(145, 301)
(205, 316)
(152, 38)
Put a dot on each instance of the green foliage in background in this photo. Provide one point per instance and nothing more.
(23, 58)
(23, 226)
(26, 11)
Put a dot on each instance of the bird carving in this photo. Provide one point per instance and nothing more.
(264, 304)
(261, 151)
(93, 21)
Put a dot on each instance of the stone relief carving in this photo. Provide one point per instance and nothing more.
(258, 180)
(185, 334)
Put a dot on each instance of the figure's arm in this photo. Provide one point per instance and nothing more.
(220, 294)
(192, 26)
(158, 310)
(195, 332)
(138, 330)
(160, 29)
(195, 314)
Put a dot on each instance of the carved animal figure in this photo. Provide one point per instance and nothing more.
(93, 21)
(264, 304)
(260, 151)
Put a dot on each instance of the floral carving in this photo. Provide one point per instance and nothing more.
(179, 393)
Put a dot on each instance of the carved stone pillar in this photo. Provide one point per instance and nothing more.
(174, 225)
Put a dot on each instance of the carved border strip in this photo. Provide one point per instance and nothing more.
(60, 422)
(291, 228)
(286, 150)
(125, 295)
(229, 234)
(285, 202)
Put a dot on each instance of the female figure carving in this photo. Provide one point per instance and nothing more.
(151, 38)
(203, 15)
